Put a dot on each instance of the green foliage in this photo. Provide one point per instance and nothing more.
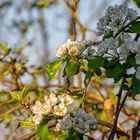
(4, 49)
(88, 76)
(98, 72)
(70, 135)
(18, 96)
(116, 72)
(135, 27)
(26, 124)
(135, 87)
(46, 119)
(25, 91)
(77, 94)
(42, 132)
(96, 63)
(53, 67)
(137, 2)
(72, 68)
(4, 116)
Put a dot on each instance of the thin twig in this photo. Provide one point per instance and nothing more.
(117, 112)
(126, 26)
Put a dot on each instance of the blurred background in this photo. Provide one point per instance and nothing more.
(33, 29)
(40, 26)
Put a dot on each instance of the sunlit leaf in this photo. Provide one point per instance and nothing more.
(72, 68)
(53, 67)
(25, 91)
(42, 132)
(4, 116)
(26, 124)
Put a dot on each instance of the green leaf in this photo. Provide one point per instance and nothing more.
(4, 116)
(53, 67)
(25, 91)
(26, 124)
(72, 68)
(136, 83)
(88, 76)
(16, 96)
(116, 72)
(110, 64)
(137, 2)
(135, 27)
(42, 132)
(46, 119)
(4, 49)
(96, 63)
(84, 64)
(61, 89)
(64, 135)
(98, 72)
(77, 94)
(135, 87)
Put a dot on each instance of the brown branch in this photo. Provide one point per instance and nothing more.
(110, 125)
(12, 110)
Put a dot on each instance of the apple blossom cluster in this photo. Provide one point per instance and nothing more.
(78, 120)
(55, 104)
(121, 47)
(114, 19)
(72, 48)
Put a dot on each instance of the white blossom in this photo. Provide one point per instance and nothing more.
(114, 19)
(109, 43)
(60, 110)
(65, 99)
(37, 119)
(51, 99)
(73, 48)
(131, 14)
(61, 51)
(131, 70)
(47, 108)
(79, 120)
(38, 108)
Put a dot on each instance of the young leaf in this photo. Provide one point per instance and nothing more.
(98, 72)
(53, 67)
(26, 124)
(72, 68)
(42, 132)
(25, 91)
(4, 116)
(16, 96)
